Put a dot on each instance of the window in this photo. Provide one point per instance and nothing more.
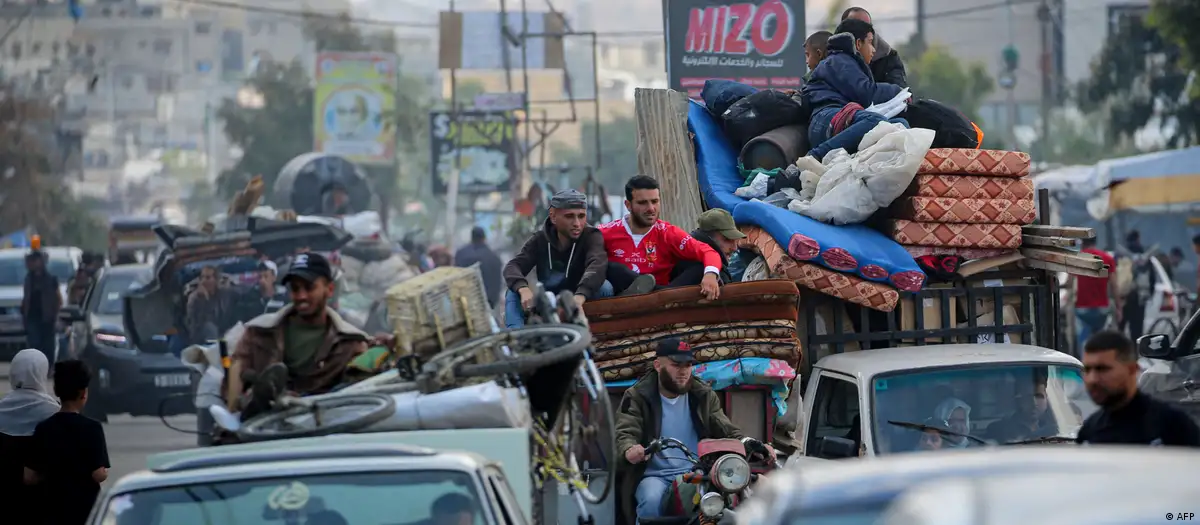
(16, 50)
(72, 49)
(162, 46)
(35, 49)
(835, 412)
(203, 28)
(359, 497)
(55, 47)
(91, 50)
(650, 52)
(113, 289)
(1000, 403)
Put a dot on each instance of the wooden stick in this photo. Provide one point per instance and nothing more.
(665, 151)
(1049, 242)
(970, 268)
(1054, 267)
(1066, 257)
(1072, 232)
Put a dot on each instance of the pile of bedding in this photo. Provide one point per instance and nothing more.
(749, 320)
(970, 203)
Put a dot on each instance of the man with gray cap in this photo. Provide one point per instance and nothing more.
(567, 254)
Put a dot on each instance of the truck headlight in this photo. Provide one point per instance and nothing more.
(712, 505)
(730, 473)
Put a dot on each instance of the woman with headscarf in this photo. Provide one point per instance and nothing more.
(956, 414)
(29, 403)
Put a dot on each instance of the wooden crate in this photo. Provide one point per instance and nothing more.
(437, 309)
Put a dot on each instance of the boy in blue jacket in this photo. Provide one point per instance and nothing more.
(840, 80)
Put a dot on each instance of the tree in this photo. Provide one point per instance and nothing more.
(618, 150)
(1079, 139)
(32, 195)
(936, 74)
(270, 135)
(1142, 74)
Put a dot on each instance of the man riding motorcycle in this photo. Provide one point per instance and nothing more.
(666, 402)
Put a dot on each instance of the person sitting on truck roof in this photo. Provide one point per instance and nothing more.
(567, 255)
(666, 402)
(885, 64)
(841, 86)
(717, 229)
(304, 348)
(816, 48)
(644, 251)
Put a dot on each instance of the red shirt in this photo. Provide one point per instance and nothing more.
(657, 252)
(1092, 292)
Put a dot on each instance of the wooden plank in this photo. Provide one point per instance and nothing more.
(665, 152)
(1072, 232)
(970, 268)
(1049, 242)
(1061, 256)
(1053, 267)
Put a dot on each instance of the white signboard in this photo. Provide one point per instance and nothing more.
(500, 101)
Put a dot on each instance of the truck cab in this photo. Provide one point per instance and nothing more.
(878, 402)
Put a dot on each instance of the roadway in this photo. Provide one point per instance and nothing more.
(132, 439)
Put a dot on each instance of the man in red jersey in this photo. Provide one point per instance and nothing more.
(1094, 297)
(641, 245)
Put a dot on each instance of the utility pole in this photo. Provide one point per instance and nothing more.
(452, 184)
(1008, 78)
(1048, 71)
(921, 25)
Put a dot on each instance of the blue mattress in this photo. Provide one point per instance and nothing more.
(854, 249)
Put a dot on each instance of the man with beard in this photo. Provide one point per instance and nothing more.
(641, 245)
(886, 65)
(302, 348)
(40, 304)
(666, 402)
(567, 254)
(1127, 416)
(1030, 420)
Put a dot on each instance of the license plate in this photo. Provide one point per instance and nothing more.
(172, 380)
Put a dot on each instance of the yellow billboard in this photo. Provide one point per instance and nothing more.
(354, 105)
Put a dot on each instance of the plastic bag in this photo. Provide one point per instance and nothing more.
(893, 107)
(757, 188)
(364, 224)
(854, 187)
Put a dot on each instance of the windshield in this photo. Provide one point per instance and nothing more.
(114, 288)
(1001, 404)
(368, 498)
(12, 271)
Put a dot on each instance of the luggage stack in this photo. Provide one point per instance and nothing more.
(965, 202)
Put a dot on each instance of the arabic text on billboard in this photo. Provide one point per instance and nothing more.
(758, 42)
(482, 143)
(355, 99)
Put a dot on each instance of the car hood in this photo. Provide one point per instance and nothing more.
(11, 293)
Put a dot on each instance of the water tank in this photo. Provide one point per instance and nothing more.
(304, 181)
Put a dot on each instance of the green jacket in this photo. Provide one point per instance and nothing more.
(639, 420)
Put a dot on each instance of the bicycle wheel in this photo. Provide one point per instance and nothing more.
(330, 415)
(592, 442)
(528, 350)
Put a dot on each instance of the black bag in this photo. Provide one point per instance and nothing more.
(952, 129)
(719, 94)
(759, 113)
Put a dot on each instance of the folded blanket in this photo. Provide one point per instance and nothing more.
(908, 232)
(636, 366)
(970, 211)
(695, 335)
(721, 375)
(766, 328)
(845, 286)
(957, 161)
(971, 187)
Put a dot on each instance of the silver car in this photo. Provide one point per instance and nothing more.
(351, 483)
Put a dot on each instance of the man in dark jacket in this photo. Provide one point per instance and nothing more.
(567, 254)
(489, 263)
(40, 304)
(841, 86)
(717, 229)
(666, 402)
(886, 65)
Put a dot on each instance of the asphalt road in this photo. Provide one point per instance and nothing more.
(132, 439)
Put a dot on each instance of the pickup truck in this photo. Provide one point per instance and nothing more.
(881, 385)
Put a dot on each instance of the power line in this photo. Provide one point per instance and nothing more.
(308, 14)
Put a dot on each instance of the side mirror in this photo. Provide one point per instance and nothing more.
(1155, 346)
(832, 447)
(71, 314)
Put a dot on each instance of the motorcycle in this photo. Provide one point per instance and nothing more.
(721, 478)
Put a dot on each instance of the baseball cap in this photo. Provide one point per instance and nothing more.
(676, 349)
(569, 199)
(721, 221)
(268, 265)
(309, 266)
